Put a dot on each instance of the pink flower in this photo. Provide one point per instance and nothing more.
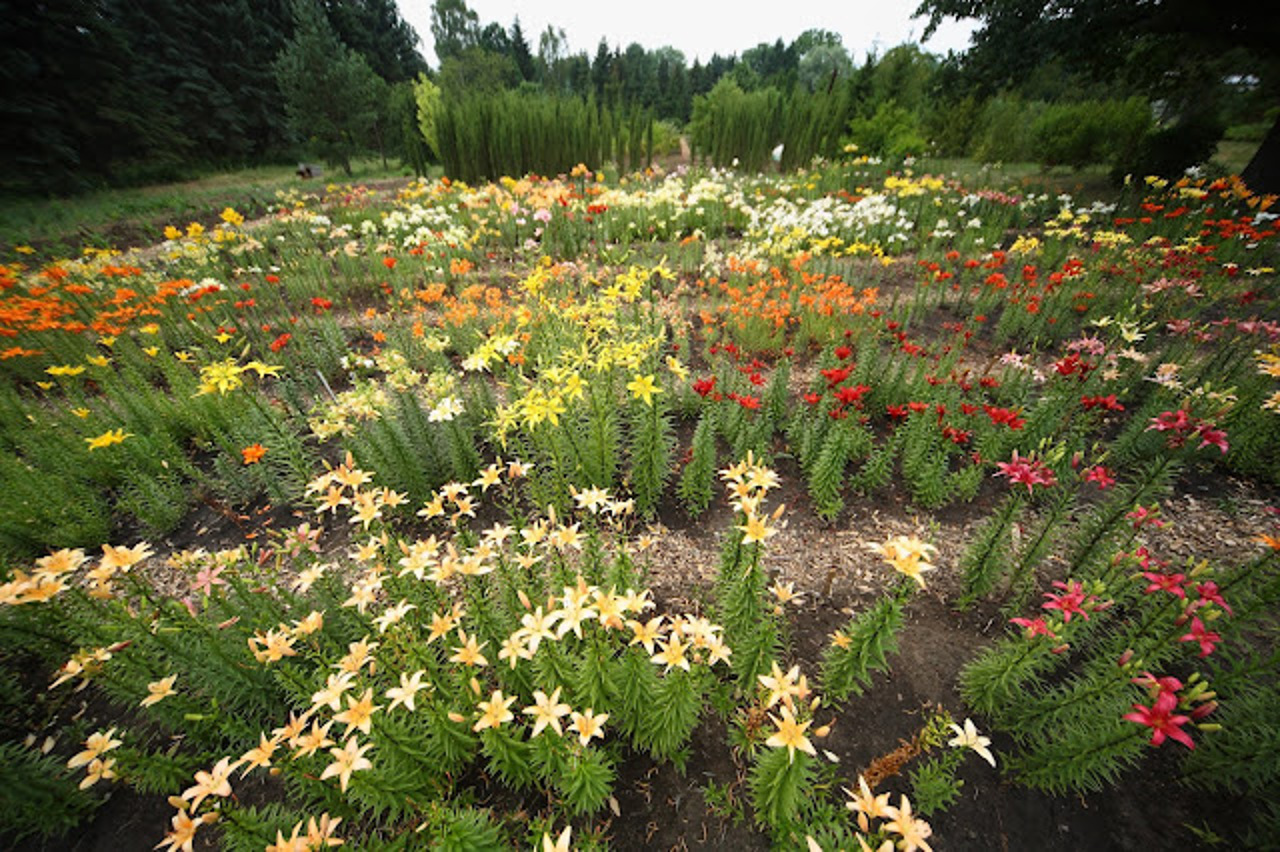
(542, 214)
(1026, 471)
(1206, 638)
(1160, 719)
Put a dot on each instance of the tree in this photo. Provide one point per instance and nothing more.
(1180, 52)
(520, 51)
(329, 90)
(823, 65)
(454, 27)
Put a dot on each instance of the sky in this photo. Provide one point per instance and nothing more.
(699, 28)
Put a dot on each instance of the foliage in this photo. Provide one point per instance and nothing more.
(329, 90)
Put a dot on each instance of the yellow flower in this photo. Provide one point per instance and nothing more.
(98, 770)
(231, 217)
(672, 654)
(220, 378)
(98, 360)
(359, 714)
(107, 438)
(259, 756)
(494, 712)
(560, 844)
(468, 653)
(64, 370)
(588, 725)
(160, 690)
(790, 734)
(867, 805)
(646, 634)
(782, 686)
(24, 249)
(912, 832)
(172, 233)
(212, 783)
(907, 554)
(755, 530)
(94, 747)
(643, 387)
(546, 712)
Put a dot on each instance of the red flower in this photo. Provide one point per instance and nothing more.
(1175, 421)
(1034, 627)
(1206, 638)
(1007, 416)
(704, 386)
(1100, 475)
(280, 342)
(253, 453)
(1208, 592)
(389, 262)
(813, 398)
(1209, 435)
(750, 403)
(1160, 719)
(836, 375)
(321, 305)
(1171, 583)
(1107, 402)
(1071, 601)
(1143, 516)
(851, 396)
(843, 352)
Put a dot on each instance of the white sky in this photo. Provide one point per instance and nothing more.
(700, 28)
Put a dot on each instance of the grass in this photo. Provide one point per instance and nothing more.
(62, 227)
(1234, 155)
(1086, 184)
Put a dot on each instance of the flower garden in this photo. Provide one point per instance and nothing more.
(833, 510)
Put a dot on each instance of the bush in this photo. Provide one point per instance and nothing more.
(1003, 131)
(1170, 151)
(1088, 132)
(893, 132)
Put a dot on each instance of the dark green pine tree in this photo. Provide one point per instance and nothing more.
(521, 52)
(330, 92)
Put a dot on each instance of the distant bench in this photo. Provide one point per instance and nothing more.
(310, 170)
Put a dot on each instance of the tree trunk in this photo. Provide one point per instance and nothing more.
(1262, 175)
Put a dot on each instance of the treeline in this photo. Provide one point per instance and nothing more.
(114, 92)
(128, 91)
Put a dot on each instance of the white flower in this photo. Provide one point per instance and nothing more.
(968, 737)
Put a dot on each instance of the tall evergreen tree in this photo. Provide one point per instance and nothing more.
(329, 90)
(520, 51)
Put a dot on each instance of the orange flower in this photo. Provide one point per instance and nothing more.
(253, 453)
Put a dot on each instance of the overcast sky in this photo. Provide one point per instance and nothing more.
(700, 28)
